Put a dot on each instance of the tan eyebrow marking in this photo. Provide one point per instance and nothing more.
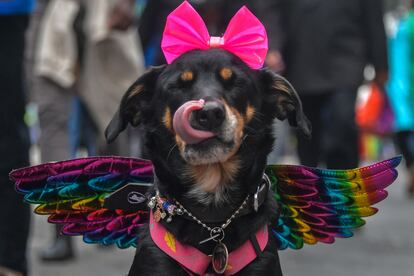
(250, 112)
(167, 118)
(226, 73)
(187, 76)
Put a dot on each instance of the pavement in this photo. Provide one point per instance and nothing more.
(383, 247)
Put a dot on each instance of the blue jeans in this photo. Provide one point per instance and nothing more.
(82, 129)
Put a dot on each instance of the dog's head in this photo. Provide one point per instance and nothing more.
(207, 121)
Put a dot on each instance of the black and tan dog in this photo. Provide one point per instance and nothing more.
(211, 178)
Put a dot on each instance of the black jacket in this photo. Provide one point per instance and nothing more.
(14, 136)
(328, 43)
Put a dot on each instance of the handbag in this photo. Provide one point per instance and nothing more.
(375, 115)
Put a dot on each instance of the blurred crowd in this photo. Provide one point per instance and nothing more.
(72, 60)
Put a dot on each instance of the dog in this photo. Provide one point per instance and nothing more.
(215, 208)
(213, 177)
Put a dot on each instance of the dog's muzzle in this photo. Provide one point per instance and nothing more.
(196, 121)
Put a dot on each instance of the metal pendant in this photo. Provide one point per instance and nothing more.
(220, 258)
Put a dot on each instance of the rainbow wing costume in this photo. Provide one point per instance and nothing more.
(73, 192)
(316, 205)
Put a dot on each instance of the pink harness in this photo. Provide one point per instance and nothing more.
(196, 261)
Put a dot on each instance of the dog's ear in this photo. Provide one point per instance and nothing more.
(283, 102)
(135, 99)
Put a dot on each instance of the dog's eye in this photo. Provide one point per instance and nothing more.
(187, 76)
(226, 75)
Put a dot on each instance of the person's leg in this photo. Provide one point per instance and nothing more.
(15, 224)
(89, 131)
(340, 138)
(54, 109)
(75, 128)
(281, 145)
(309, 150)
(405, 142)
(14, 143)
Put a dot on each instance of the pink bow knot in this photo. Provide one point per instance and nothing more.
(185, 30)
(216, 42)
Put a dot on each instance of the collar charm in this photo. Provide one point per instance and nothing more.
(163, 208)
(220, 258)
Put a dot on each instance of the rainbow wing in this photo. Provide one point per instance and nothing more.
(317, 205)
(72, 193)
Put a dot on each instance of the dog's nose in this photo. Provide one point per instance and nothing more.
(211, 116)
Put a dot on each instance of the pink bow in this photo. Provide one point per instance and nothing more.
(185, 30)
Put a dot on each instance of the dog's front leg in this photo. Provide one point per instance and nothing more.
(150, 260)
(266, 264)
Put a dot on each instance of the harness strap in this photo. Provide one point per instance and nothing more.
(195, 261)
(256, 245)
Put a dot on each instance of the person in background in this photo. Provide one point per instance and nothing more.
(14, 136)
(54, 108)
(87, 49)
(400, 88)
(327, 45)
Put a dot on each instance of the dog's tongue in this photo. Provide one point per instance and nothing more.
(181, 123)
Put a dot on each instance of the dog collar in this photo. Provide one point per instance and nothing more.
(196, 261)
(257, 198)
(134, 197)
